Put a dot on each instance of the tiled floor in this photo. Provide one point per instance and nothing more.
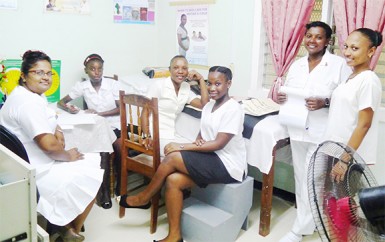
(106, 226)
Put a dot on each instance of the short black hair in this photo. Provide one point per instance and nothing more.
(177, 57)
(325, 26)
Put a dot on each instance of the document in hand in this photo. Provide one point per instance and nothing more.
(293, 112)
(260, 106)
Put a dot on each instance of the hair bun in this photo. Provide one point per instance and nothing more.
(379, 39)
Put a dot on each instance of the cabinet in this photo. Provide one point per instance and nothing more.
(18, 217)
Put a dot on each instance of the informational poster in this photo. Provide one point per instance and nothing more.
(13, 74)
(192, 33)
(67, 6)
(8, 4)
(134, 11)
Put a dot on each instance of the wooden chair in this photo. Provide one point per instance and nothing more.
(146, 163)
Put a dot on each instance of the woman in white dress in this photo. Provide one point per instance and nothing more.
(66, 183)
(182, 34)
(218, 155)
(353, 117)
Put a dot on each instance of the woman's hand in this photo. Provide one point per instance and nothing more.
(313, 103)
(338, 171)
(193, 75)
(91, 111)
(147, 142)
(282, 97)
(199, 142)
(171, 147)
(74, 154)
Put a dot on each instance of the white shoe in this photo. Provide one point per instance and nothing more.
(291, 237)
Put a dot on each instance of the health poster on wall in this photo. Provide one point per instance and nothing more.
(12, 72)
(67, 6)
(8, 4)
(134, 11)
(192, 33)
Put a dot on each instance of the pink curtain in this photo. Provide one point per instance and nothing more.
(350, 15)
(285, 27)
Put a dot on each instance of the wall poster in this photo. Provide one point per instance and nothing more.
(67, 6)
(134, 11)
(8, 4)
(192, 33)
(12, 73)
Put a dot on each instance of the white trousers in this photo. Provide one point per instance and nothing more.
(301, 153)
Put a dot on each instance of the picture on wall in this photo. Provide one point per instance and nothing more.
(192, 33)
(12, 75)
(8, 4)
(67, 6)
(134, 11)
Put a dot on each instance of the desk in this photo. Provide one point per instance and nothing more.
(267, 135)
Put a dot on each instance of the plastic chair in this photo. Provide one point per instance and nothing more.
(12, 143)
(148, 161)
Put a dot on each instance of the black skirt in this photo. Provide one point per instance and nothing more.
(206, 168)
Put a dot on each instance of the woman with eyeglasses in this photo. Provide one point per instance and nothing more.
(66, 183)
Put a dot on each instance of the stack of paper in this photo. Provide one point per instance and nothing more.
(260, 106)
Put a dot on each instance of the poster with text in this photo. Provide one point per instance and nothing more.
(13, 74)
(8, 4)
(67, 6)
(134, 11)
(192, 33)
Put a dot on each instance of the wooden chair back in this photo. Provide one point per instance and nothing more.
(132, 135)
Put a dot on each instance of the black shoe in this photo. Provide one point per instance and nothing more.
(103, 199)
(123, 203)
(181, 240)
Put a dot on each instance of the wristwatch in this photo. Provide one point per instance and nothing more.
(327, 103)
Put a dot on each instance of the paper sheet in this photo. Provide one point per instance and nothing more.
(260, 106)
(65, 118)
(293, 112)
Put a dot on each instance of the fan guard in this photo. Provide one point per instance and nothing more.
(344, 211)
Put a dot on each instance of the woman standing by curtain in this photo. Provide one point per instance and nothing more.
(353, 118)
(317, 74)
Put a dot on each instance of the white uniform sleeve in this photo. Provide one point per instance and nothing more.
(192, 96)
(369, 95)
(115, 90)
(76, 91)
(33, 120)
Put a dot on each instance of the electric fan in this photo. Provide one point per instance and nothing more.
(352, 209)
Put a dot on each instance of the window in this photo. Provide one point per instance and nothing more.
(269, 73)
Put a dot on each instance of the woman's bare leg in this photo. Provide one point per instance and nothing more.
(78, 222)
(175, 184)
(171, 163)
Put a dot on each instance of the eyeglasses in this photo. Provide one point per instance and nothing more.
(42, 73)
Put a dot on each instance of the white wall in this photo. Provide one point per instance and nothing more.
(127, 48)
